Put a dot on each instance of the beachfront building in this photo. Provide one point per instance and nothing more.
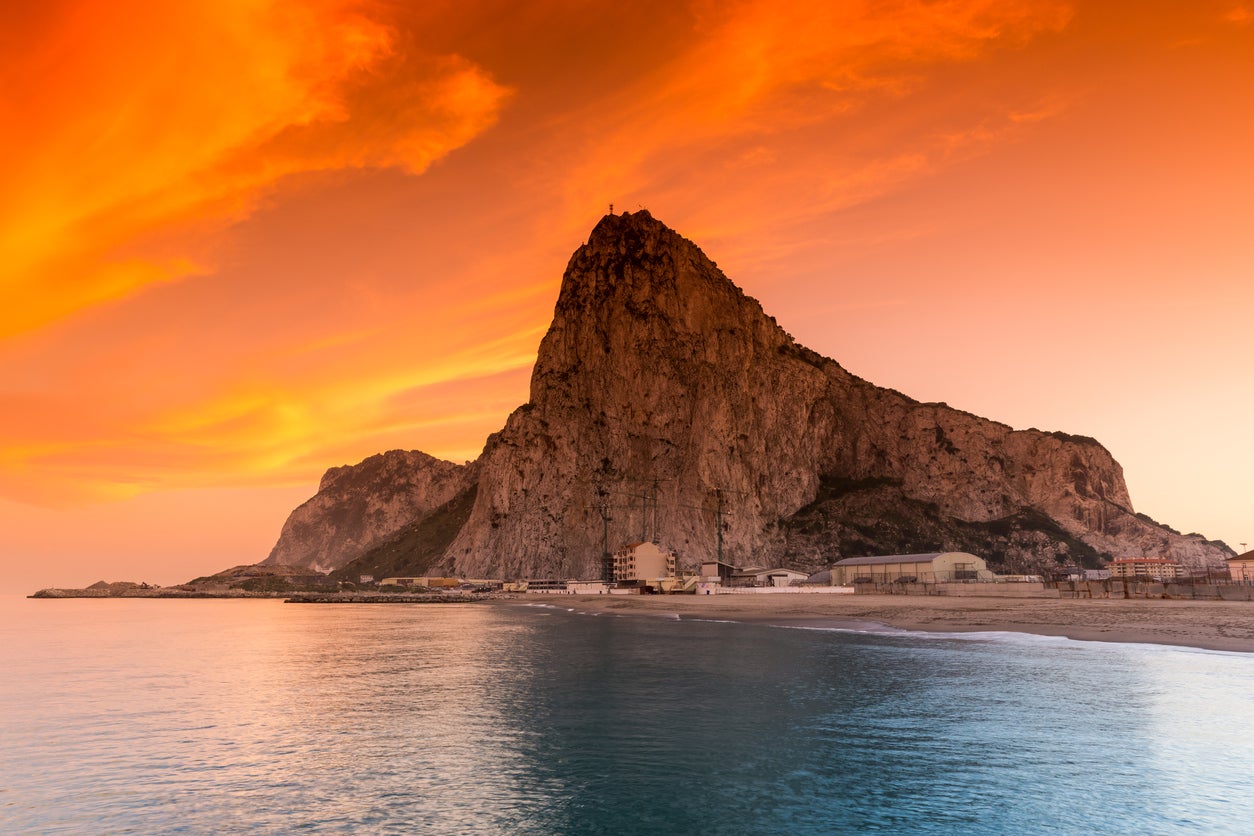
(643, 563)
(1155, 568)
(767, 577)
(429, 582)
(716, 571)
(933, 567)
(545, 585)
(1241, 568)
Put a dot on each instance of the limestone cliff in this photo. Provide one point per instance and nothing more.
(665, 400)
(657, 367)
(360, 506)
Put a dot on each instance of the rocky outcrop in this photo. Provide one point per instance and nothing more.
(666, 404)
(661, 392)
(413, 550)
(360, 506)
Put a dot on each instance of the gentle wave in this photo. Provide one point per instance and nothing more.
(1011, 637)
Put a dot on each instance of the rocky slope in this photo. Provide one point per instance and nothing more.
(413, 550)
(361, 506)
(666, 400)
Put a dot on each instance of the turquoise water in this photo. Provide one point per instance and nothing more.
(234, 716)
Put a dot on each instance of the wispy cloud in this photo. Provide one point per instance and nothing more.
(1240, 15)
(143, 127)
(191, 118)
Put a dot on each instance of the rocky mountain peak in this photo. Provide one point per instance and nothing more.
(639, 294)
(637, 263)
(633, 234)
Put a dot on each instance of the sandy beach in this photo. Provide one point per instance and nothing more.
(1215, 625)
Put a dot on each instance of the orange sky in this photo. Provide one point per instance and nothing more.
(244, 242)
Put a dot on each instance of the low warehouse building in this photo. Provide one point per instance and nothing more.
(767, 577)
(429, 582)
(934, 567)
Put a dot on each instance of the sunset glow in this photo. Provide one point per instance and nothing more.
(242, 242)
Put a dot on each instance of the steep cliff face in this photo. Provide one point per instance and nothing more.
(665, 403)
(360, 506)
(662, 393)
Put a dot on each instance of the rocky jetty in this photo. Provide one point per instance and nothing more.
(665, 403)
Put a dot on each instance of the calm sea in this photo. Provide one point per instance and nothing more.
(256, 716)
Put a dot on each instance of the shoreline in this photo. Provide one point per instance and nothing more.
(1202, 624)
(1206, 625)
(162, 592)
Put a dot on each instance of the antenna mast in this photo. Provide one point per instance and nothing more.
(607, 559)
(718, 522)
(655, 510)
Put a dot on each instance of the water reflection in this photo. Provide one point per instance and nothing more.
(255, 711)
(209, 715)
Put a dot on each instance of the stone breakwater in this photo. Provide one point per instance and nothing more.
(170, 592)
(381, 598)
